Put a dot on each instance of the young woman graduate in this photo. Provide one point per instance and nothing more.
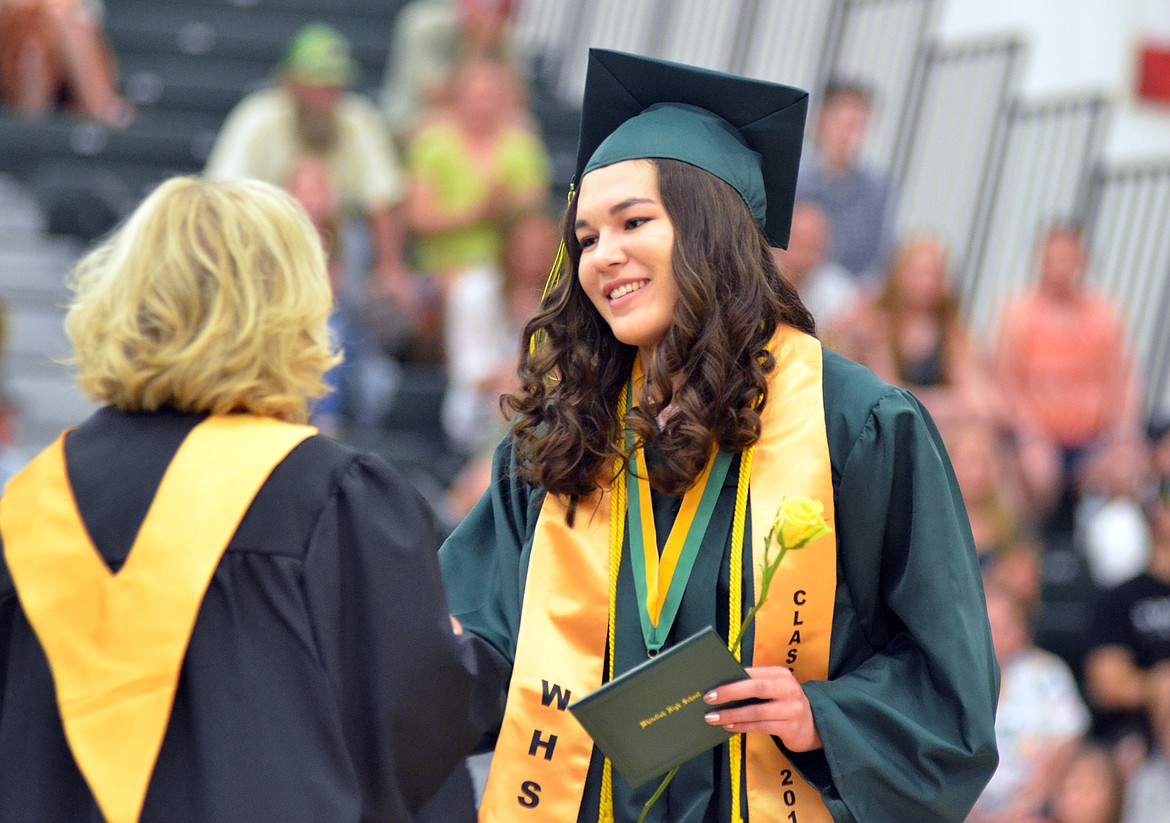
(207, 611)
(672, 367)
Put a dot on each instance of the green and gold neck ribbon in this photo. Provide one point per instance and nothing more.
(660, 581)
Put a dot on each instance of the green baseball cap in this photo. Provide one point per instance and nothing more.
(746, 132)
(319, 55)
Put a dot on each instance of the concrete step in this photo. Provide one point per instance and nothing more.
(222, 31)
(178, 138)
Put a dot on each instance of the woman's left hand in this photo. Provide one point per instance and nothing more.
(784, 710)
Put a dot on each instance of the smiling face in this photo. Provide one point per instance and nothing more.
(627, 240)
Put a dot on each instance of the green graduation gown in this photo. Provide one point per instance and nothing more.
(907, 712)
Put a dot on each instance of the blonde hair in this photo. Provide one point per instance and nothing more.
(213, 297)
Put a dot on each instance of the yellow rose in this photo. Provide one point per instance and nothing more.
(799, 521)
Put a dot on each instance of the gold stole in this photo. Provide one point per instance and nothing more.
(542, 754)
(116, 642)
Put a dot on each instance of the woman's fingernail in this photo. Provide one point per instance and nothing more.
(711, 697)
(712, 718)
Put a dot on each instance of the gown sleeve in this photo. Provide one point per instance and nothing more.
(414, 697)
(485, 559)
(907, 714)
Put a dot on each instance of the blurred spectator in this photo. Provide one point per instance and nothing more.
(1129, 664)
(1019, 570)
(1159, 438)
(1039, 722)
(857, 199)
(430, 38)
(311, 186)
(1063, 367)
(911, 335)
(825, 288)
(1148, 792)
(308, 117)
(486, 310)
(53, 51)
(471, 171)
(466, 489)
(1090, 791)
(531, 245)
(984, 467)
(1110, 523)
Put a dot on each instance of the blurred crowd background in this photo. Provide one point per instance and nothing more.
(981, 218)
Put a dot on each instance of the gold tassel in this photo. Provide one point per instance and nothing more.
(553, 278)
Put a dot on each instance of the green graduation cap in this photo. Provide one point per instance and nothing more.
(746, 132)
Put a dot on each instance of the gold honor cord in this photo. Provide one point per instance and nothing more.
(790, 459)
(115, 643)
(617, 521)
(543, 755)
(735, 615)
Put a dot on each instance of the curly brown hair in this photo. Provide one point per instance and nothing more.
(567, 430)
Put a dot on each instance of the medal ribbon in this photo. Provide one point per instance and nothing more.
(660, 582)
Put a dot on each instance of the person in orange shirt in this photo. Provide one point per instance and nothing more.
(1064, 369)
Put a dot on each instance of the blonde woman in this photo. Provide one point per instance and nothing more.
(913, 335)
(207, 611)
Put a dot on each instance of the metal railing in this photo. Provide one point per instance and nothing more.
(790, 42)
(954, 131)
(1040, 176)
(984, 170)
(881, 44)
(1125, 229)
(703, 33)
(782, 40)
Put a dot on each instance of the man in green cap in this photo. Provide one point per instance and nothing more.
(327, 145)
(675, 409)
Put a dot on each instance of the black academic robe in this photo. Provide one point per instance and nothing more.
(907, 712)
(322, 681)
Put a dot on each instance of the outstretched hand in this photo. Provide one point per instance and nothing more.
(783, 709)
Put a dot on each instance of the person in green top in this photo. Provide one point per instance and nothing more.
(670, 337)
(472, 167)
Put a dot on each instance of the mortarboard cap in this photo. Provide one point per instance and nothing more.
(746, 132)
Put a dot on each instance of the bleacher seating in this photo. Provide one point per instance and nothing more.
(184, 64)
